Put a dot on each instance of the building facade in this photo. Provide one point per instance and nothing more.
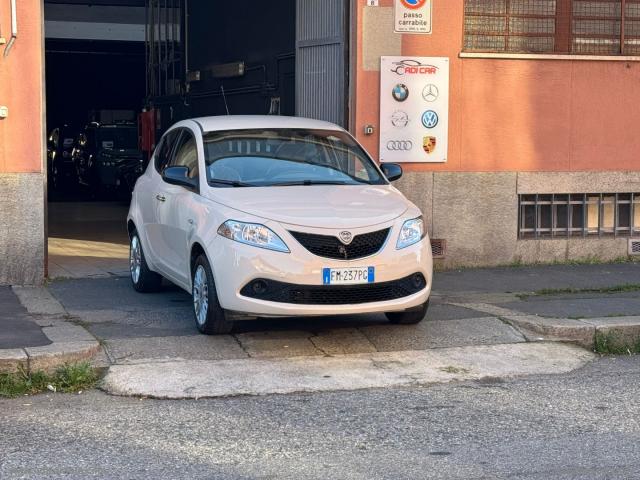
(542, 161)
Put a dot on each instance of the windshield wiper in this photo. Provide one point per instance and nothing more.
(309, 182)
(232, 183)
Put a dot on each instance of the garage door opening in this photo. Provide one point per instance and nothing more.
(121, 72)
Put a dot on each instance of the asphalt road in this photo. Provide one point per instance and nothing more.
(583, 425)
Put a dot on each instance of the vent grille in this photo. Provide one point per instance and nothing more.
(328, 246)
(634, 246)
(438, 248)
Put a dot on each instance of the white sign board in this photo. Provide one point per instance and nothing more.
(414, 109)
(413, 16)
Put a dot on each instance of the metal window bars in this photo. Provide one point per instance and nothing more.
(584, 214)
(582, 27)
(164, 53)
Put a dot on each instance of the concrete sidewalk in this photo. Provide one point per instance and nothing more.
(35, 334)
(512, 307)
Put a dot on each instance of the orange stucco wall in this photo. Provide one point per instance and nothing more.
(518, 115)
(21, 89)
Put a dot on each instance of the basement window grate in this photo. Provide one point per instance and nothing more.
(438, 248)
(634, 246)
(579, 215)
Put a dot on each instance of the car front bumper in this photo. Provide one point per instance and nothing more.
(236, 266)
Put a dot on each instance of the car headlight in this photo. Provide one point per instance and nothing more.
(411, 233)
(252, 234)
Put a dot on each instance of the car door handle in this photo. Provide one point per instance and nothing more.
(160, 198)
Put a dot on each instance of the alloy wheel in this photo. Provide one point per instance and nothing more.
(201, 295)
(135, 259)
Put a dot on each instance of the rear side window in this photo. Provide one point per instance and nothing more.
(163, 151)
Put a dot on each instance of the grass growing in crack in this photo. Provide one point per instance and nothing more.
(68, 378)
(609, 344)
(454, 370)
(626, 288)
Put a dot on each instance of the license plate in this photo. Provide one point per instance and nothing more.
(348, 276)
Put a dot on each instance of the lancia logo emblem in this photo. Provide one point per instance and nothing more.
(346, 237)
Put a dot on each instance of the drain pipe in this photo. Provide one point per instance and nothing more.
(14, 28)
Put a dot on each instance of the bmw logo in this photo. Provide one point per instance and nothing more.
(400, 92)
(430, 119)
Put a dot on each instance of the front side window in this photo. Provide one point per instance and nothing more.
(284, 157)
(580, 27)
(186, 154)
(164, 149)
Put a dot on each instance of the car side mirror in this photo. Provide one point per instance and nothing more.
(392, 171)
(179, 176)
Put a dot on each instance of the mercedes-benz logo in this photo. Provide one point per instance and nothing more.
(430, 93)
(430, 119)
(399, 145)
(400, 119)
(346, 237)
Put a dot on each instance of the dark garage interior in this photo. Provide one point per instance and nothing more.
(107, 62)
(119, 73)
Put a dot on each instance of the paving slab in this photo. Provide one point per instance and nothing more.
(534, 278)
(198, 347)
(441, 333)
(272, 344)
(342, 341)
(17, 328)
(200, 379)
(579, 306)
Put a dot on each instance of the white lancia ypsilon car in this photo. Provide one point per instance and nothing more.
(261, 216)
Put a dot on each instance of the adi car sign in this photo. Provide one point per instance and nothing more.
(413, 16)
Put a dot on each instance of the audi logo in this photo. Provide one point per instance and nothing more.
(399, 145)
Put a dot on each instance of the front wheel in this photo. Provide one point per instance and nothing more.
(210, 317)
(410, 317)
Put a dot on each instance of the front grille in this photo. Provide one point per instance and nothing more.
(329, 246)
(280, 292)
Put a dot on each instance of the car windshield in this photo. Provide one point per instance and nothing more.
(118, 138)
(287, 157)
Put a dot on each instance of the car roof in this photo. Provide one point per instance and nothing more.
(242, 122)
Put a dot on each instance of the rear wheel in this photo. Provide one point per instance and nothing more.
(409, 317)
(143, 279)
(211, 319)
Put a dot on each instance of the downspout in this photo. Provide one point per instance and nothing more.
(14, 29)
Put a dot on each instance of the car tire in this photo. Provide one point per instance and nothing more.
(210, 317)
(410, 317)
(142, 278)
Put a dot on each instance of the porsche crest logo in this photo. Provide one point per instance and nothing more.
(429, 144)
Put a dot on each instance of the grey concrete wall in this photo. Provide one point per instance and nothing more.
(22, 240)
(477, 215)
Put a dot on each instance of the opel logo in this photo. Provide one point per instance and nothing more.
(346, 237)
(430, 119)
(399, 145)
(399, 119)
(430, 93)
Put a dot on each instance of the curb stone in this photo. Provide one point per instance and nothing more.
(624, 331)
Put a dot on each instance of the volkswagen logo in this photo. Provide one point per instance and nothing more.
(400, 119)
(430, 93)
(430, 119)
(399, 145)
(346, 237)
(400, 92)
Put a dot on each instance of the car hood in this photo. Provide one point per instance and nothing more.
(317, 206)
